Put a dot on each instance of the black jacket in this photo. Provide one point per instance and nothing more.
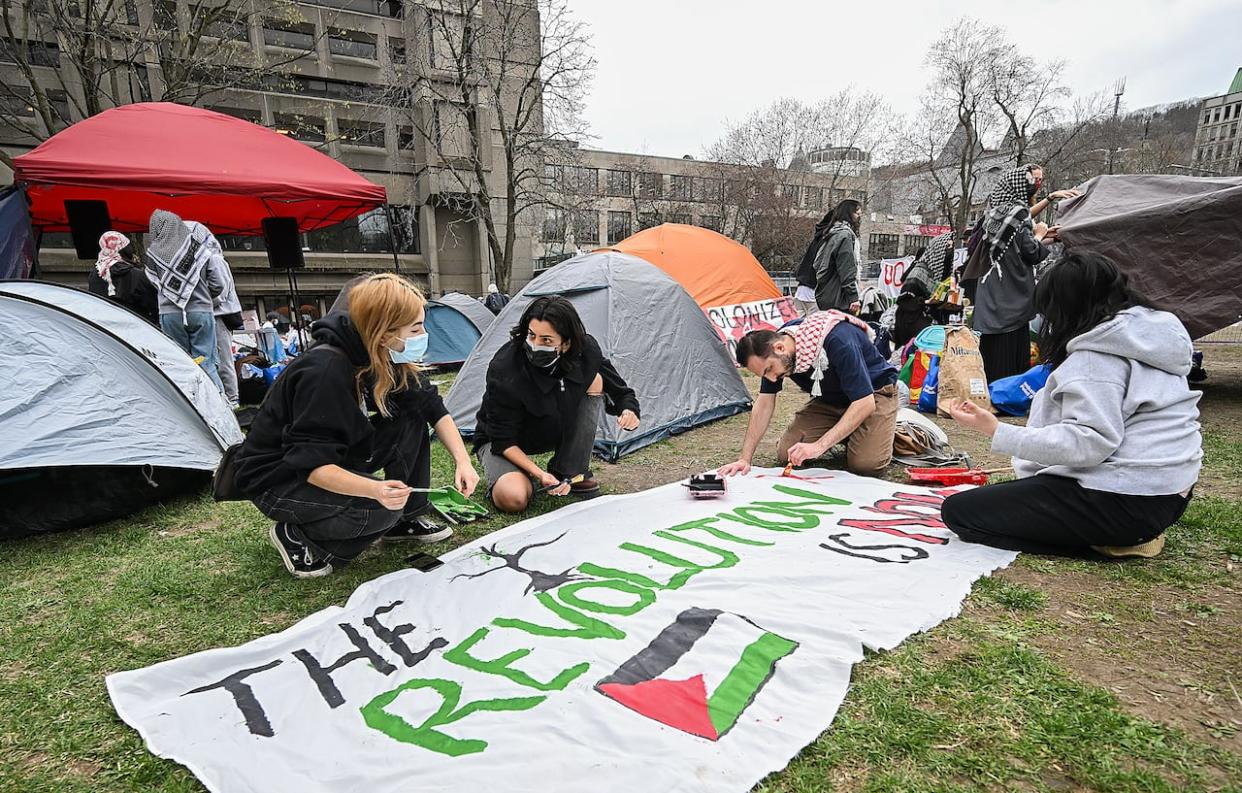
(133, 290)
(526, 407)
(313, 414)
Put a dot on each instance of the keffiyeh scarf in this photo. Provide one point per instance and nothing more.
(1008, 212)
(933, 266)
(110, 246)
(809, 336)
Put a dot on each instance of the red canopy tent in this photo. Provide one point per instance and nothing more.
(224, 172)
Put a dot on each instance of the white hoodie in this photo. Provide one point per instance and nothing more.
(1118, 414)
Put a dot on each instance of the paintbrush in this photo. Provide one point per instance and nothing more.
(789, 467)
(573, 481)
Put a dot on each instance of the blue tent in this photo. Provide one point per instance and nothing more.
(452, 332)
(17, 254)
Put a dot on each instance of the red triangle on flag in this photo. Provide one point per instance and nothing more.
(681, 704)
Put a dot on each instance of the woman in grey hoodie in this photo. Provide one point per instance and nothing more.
(1112, 449)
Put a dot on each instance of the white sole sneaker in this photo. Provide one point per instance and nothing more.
(274, 539)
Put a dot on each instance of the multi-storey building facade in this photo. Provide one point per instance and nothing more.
(1218, 146)
(336, 68)
(602, 197)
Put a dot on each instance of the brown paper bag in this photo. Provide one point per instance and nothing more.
(961, 371)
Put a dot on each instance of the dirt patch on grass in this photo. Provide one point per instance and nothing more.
(41, 761)
(1169, 656)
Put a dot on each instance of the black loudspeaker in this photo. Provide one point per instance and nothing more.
(88, 220)
(284, 244)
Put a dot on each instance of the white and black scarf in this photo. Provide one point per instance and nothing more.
(1008, 212)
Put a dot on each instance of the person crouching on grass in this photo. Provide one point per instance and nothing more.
(308, 459)
(853, 393)
(1112, 449)
(545, 390)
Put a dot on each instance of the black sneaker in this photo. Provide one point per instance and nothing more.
(420, 529)
(299, 560)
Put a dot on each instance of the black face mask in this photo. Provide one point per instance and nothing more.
(542, 357)
(282, 327)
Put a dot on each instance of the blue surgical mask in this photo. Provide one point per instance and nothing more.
(415, 349)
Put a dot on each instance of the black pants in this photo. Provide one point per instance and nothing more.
(1005, 354)
(1056, 515)
(339, 527)
(572, 455)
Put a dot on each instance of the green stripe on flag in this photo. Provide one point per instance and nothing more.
(745, 679)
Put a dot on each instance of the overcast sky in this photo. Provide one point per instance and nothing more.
(672, 73)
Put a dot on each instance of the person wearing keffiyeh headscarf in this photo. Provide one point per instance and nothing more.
(1014, 245)
(119, 277)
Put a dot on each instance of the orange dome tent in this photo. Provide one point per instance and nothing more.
(723, 277)
(714, 269)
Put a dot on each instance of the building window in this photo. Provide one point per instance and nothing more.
(680, 188)
(581, 181)
(320, 87)
(396, 51)
(144, 83)
(554, 225)
(708, 189)
(650, 185)
(291, 35)
(619, 223)
(553, 175)
(228, 28)
(360, 133)
(59, 100)
(586, 226)
(683, 218)
(648, 220)
(405, 138)
(711, 222)
(131, 12)
(368, 233)
(813, 197)
(448, 39)
(253, 116)
(164, 14)
(883, 246)
(790, 192)
(387, 8)
(620, 183)
(912, 243)
(304, 128)
(353, 43)
(17, 106)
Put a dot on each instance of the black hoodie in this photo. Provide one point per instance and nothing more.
(313, 415)
(133, 290)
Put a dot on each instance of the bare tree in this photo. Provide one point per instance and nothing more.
(76, 58)
(1027, 95)
(960, 97)
(502, 92)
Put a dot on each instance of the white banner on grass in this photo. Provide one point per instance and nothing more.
(644, 642)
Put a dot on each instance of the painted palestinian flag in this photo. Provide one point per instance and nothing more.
(700, 673)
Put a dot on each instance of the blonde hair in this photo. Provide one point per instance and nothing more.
(378, 307)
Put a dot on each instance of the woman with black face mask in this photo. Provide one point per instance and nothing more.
(545, 390)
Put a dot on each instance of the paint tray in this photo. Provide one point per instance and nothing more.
(949, 476)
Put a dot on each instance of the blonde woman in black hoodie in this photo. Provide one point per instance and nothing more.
(352, 405)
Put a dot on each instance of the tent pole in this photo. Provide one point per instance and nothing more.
(392, 240)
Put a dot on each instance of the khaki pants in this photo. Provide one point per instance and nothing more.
(805, 307)
(869, 449)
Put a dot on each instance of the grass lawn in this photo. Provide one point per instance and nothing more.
(1059, 675)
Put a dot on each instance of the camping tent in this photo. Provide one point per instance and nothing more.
(96, 404)
(17, 257)
(1175, 236)
(651, 330)
(455, 323)
(722, 276)
(225, 172)
(481, 316)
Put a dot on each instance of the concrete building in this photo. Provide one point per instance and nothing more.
(1218, 146)
(333, 64)
(602, 197)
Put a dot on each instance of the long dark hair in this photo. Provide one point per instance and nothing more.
(1078, 293)
(845, 211)
(561, 315)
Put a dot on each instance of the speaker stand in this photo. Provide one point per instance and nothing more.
(295, 305)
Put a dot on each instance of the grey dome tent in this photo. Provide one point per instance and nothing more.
(97, 407)
(655, 334)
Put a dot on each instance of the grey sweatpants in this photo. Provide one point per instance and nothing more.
(224, 362)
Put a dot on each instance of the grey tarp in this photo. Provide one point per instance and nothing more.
(1179, 238)
(100, 413)
(648, 326)
(475, 311)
